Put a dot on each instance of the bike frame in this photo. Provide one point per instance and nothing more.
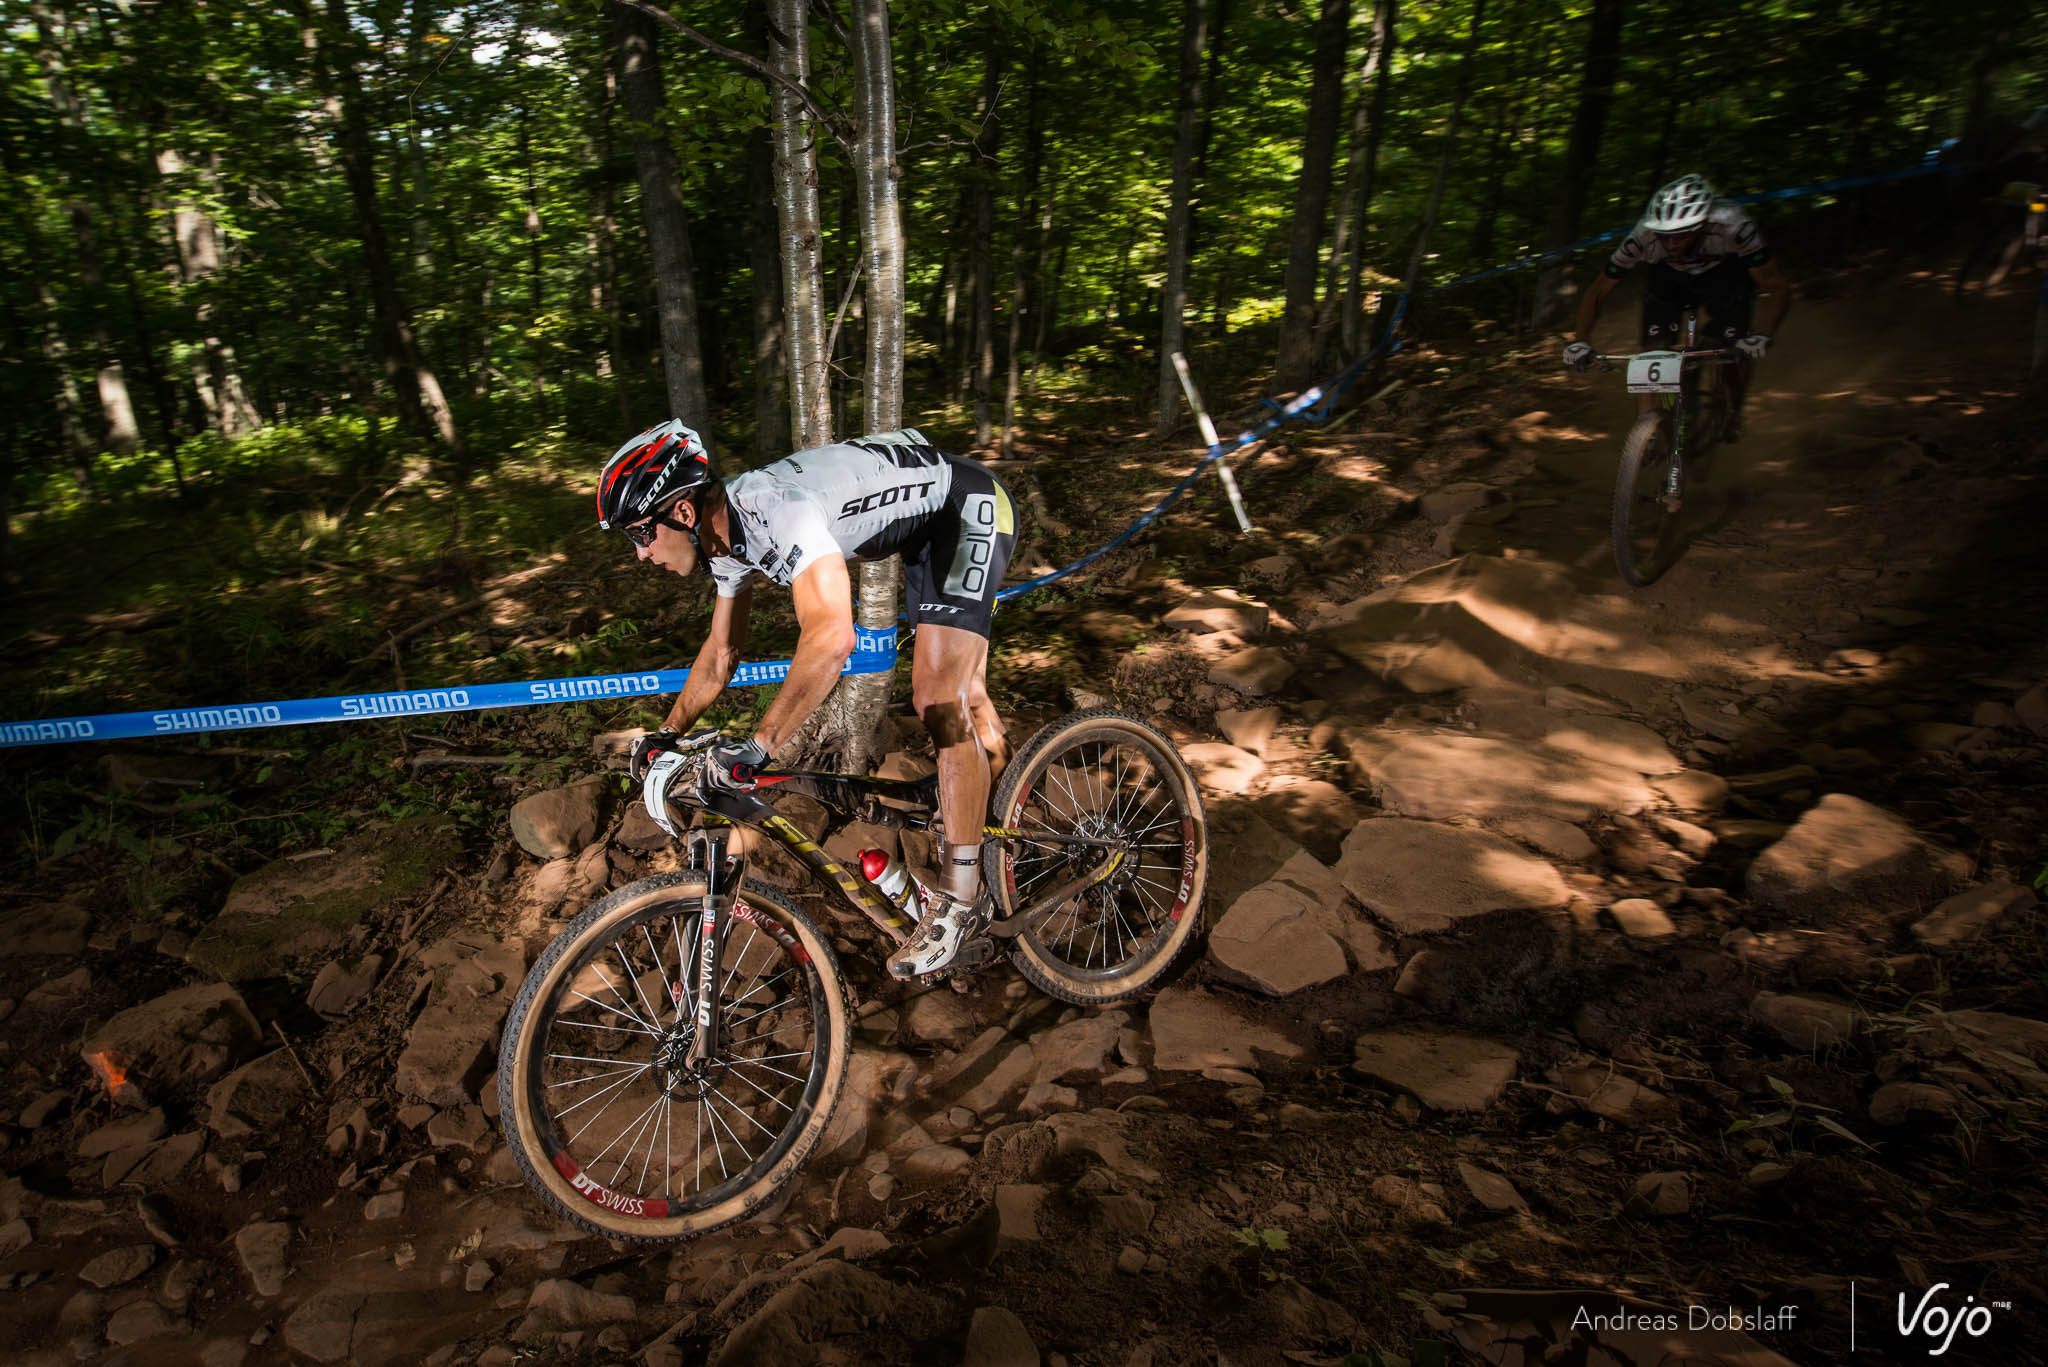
(862, 799)
(1683, 405)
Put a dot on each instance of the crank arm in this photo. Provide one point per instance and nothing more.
(1010, 927)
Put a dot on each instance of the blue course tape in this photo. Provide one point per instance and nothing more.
(874, 653)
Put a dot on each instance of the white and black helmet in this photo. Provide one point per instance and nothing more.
(649, 471)
(1680, 206)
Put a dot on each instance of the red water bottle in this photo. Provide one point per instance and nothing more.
(889, 875)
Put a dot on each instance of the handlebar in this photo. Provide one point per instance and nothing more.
(1714, 354)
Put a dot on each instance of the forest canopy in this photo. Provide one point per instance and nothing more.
(226, 218)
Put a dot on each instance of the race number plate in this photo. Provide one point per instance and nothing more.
(1654, 372)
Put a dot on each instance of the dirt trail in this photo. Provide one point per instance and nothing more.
(1857, 613)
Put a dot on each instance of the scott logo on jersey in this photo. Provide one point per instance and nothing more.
(882, 498)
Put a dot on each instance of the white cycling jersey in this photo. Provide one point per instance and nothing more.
(863, 499)
(1727, 233)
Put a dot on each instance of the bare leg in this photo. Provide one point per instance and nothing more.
(946, 674)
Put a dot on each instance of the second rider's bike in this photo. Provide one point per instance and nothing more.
(1691, 414)
(676, 1053)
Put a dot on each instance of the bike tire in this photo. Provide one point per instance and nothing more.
(1153, 804)
(769, 941)
(1645, 529)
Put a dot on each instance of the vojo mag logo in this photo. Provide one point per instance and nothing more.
(1929, 1321)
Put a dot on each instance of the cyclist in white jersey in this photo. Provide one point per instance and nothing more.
(799, 523)
(1702, 252)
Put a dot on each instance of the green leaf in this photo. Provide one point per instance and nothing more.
(1781, 1088)
(64, 843)
(1833, 1128)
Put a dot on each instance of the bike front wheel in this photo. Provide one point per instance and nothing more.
(1646, 500)
(1100, 776)
(606, 1117)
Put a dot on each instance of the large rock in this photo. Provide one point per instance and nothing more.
(294, 909)
(44, 928)
(1209, 612)
(825, 1301)
(448, 1051)
(1609, 740)
(877, 1082)
(1079, 1050)
(997, 1338)
(376, 1328)
(1485, 622)
(561, 821)
(1846, 850)
(562, 1304)
(1193, 1030)
(257, 1098)
(1257, 670)
(1973, 911)
(1223, 768)
(264, 1248)
(1293, 931)
(1245, 851)
(1442, 775)
(1445, 1072)
(1420, 877)
(186, 1036)
(1805, 1022)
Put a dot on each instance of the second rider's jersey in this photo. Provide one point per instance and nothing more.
(1727, 234)
(862, 499)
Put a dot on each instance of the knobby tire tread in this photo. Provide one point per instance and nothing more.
(515, 1113)
(1103, 723)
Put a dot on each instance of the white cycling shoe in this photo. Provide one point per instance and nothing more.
(948, 926)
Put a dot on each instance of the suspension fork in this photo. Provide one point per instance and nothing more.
(722, 879)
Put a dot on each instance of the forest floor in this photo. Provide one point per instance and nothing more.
(1742, 1069)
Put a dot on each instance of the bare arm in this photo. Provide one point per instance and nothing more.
(1777, 293)
(1589, 305)
(716, 660)
(824, 612)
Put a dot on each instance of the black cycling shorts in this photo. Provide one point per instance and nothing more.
(1725, 291)
(951, 579)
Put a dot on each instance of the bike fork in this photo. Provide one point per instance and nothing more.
(722, 879)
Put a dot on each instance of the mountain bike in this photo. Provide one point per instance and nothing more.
(1693, 405)
(676, 1054)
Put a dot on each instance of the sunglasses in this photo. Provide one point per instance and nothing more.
(643, 533)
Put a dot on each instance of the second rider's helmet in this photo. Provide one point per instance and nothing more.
(1680, 206)
(649, 471)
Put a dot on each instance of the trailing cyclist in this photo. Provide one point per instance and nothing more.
(1702, 252)
(799, 522)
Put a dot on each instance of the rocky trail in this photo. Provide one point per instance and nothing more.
(1665, 949)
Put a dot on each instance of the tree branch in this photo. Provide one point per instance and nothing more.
(826, 119)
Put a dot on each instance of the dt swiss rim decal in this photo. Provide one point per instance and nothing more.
(597, 1193)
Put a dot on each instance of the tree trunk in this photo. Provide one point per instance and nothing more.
(661, 209)
(1450, 147)
(796, 207)
(416, 57)
(608, 252)
(412, 380)
(1602, 63)
(771, 367)
(1020, 285)
(987, 140)
(1340, 304)
(1295, 367)
(1173, 294)
(116, 409)
(216, 375)
(863, 700)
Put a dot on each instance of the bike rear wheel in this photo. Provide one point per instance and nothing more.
(604, 1117)
(1103, 775)
(1645, 523)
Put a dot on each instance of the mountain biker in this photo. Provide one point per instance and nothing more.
(1703, 252)
(799, 522)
